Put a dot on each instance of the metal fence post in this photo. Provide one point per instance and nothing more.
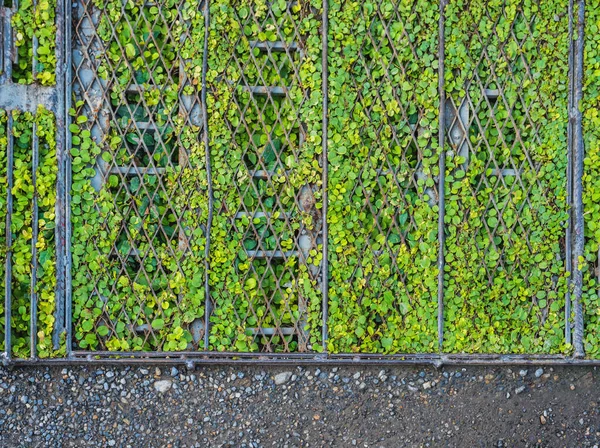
(568, 231)
(68, 83)
(207, 303)
(325, 267)
(63, 61)
(577, 152)
(442, 167)
(8, 265)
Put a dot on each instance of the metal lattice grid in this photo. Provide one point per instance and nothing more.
(141, 106)
(501, 182)
(390, 192)
(263, 302)
(152, 108)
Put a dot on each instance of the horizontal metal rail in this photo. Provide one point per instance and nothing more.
(27, 98)
(192, 359)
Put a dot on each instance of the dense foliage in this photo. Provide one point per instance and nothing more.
(140, 191)
(34, 31)
(280, 136)
(505, 278)
(383, 155)
(22, 227)
(138, 241)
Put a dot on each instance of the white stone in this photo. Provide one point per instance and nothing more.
(163, 386)
(282, 378)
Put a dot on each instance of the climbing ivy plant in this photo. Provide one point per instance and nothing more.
(383, 155)
(34, 31)
(506, 207)
(140, 194)
(281, 137)
(138, 228)
(22, 228)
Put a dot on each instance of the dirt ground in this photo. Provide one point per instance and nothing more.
(295, 406)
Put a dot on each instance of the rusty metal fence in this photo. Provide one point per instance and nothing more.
(180, 131)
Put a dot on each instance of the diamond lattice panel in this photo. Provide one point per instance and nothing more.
(265, 118)
(139, 225)
(383, 174)
(506, 209)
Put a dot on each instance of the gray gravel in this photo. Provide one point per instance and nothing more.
(254, 407)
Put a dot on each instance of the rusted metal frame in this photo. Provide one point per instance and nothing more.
(577, 152)
(63, 62)
(442, 173)
(66, 106)
(568, 230)
(325, 175)
(194, 359)
(205, 135)
(8, 264)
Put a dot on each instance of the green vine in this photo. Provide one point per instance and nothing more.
(140, 190)
(35, 21)
(22, 232)
(252, 133)
(505, 278)
(138, 241)
(382, 162)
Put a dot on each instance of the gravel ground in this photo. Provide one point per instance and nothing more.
(286, 407)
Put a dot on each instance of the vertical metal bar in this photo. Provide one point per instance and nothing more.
(568, 231)
(14, 51)
(68, 141)
(34, 240)
(8, 45)
(442, 177)
(8, 268)
(207, 299)
(325, 88)
(578, 154)
(62, 60)
(3, 38)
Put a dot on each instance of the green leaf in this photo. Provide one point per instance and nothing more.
(158, 324)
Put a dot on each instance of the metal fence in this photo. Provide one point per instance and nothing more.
(239, 160)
